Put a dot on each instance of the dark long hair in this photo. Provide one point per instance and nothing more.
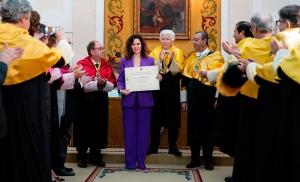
(128, 51)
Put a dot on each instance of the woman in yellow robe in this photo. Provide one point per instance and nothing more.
(166, 110)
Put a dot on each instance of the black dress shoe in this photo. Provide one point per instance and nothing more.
(82, 164)
(99, 163)
(192, 164)
(175, 152)
(68, 169)
(209, 166)
(151, 151)
(229, 179)
(63, 172)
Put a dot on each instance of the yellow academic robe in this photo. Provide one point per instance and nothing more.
(36, 59)
(291, 65)
(178, 57)
(258, 50)
(209, 62)
(266, 71)
(222, 87)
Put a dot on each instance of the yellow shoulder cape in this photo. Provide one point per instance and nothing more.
(210, 62)
(36, 59)
(178, 57)
(291, 65)
(258, 50)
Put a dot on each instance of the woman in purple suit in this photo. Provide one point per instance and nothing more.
(136, 106)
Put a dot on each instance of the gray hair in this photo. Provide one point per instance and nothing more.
(12, 10)
(263, 21)
(170, 32)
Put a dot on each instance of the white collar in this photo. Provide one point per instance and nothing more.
(166, 51)
(94, 62)
(205, 52)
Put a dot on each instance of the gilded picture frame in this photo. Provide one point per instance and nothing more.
(152, 16)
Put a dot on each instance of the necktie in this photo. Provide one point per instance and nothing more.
(198, 54)
(97, 65)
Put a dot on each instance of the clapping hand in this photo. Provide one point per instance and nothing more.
(101, 81)
(9, 54)
(85, 79)
(172, 55)
(276, 45)
(162, 56)
(227, 47)
(78, 71)
(231, 48)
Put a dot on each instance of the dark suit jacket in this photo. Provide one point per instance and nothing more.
(3, 124)
(145, 98)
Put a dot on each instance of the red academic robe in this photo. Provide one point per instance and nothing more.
(91, 123)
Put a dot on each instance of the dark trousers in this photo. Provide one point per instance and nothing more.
(207, 153)
(207, 146)
(95, 153)
(64, 142)
(172, 137)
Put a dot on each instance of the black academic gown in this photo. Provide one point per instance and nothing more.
(289, 127)
(200, 118)
(228, 114)
(266, 131)
(91, 122)
(24, 103)
(54, 124)
(3, 129)
(166, 111)
(28, 130)
(3, 125)
(243, 169)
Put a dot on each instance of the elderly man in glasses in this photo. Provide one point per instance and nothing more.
(91, 123)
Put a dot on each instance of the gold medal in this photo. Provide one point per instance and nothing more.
(97, 68)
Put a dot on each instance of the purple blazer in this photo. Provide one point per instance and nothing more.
(145, 98)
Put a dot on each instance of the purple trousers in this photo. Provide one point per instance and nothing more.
(136, 126)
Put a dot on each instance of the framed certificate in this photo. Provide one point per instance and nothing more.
(141, 78)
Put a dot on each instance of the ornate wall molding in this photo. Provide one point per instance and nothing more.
(115, 20)
(209, 21)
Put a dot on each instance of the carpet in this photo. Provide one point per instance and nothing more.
(115, 174)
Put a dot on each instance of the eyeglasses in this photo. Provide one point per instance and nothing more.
(278, 22)
(100, 48)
